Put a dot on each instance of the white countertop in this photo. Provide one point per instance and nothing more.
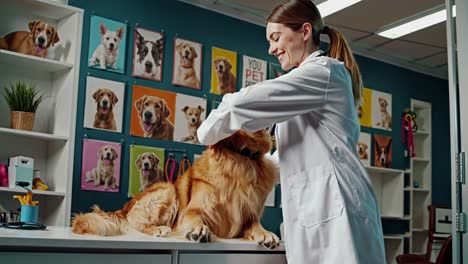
(62, 237)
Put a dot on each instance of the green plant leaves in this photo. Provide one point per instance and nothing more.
(21, 97)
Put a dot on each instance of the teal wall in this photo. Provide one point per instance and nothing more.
(213, 29)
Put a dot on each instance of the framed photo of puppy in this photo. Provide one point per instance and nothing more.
(148, 50)
(223, 71)
(153, 113)
(363, 148)
(382, 151)
(107, 44)
(274, 70)
(190, 113)
(100, 170)
(104, 104)
(146, 168)
(364, 111)
(187, 63)
(381, 110)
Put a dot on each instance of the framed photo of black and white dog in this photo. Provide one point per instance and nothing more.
(100, 170)
(148, 53)
(187, 63)
(107, 44)
(190, 113)
(104, 104)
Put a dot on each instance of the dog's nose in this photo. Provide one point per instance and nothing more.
(146, 165)
(149, 65)
(220, 67)
(111, 45)
(193, 120)
(41, 40)
(105, 103)
(148, 115)
(187, 53)
(108, 155)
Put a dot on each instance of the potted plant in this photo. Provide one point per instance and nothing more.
(23, 100)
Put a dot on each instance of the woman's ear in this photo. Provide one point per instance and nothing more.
(306, 31)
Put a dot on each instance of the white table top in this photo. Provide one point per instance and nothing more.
(62, 237)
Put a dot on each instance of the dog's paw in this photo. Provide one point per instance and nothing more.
(161, 231)
(265, 238)
(201, 234)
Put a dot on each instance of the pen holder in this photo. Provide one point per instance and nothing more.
(29, 213)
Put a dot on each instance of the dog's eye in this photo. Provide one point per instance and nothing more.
(150, 157)
(115, 39)
(146, 104)
(107, 38)
(157, 106)
(48, 32)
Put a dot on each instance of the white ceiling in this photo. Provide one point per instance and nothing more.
(423, 51)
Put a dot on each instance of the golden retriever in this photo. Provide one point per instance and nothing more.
(35, 43)
(153, 113)
(193, 116)
(149, 171)
(385, 117)
(105, 101)
(185, 72)
(104, 171)
(362, 150)
(226, 80)
(221, 195)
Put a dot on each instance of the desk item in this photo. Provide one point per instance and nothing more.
(29, 213)
(20, 169)
(3, 175)
(25, 225)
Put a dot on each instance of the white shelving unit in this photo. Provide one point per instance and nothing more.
(51, 143)
(421, 173)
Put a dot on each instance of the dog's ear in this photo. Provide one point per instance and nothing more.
(139, 103)
(115, 99)
(160, 44)
(32, 25)
(166, 110)
(120, 32)
(201, 109)
(138, 161)
(185, 108)
(96, 94)
(55, 37)
(228, 65)
(102, 29)
(99, 153)
(156, 160)
(388, 146)
(216, 61)
(114, 153)
(195, 54)
(179, 47)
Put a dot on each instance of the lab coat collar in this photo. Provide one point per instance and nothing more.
(311, 56)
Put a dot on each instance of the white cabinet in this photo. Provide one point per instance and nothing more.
(89, 258)
(51, 143)
(232, 258)
(388, 188)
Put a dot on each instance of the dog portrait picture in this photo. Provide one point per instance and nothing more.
(364, 110)
(253, 71)
(382, 151)
(153, 113)
(146, 168)
(107, 44)
(363, 148)
(100, 170)
(148, 50)
(223, 71)
(275, 70)
(35, 38)
(187, 63)
(381, 110)
(190, 113)
(104, 104)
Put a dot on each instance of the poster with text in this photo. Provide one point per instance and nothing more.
(253, 71)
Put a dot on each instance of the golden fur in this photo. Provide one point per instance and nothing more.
(27, 42)
(226, 80)
(362, 150)
(193, 116)
(104, 171)
(385, 117)
(153, 113)
(221, 195)
(185, 72)
(148, 169)
(104, 117)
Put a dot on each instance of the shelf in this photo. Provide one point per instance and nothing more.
(32, 63)
(44, 8)
(394, 217)
(383, 170)
(419, 230)
(421, 133)
(408, 189)
(32, 134)
(35, 192)
(421, 190)
(395, 237)
(421, 160)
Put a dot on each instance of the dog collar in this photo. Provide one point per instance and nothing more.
(244, 152)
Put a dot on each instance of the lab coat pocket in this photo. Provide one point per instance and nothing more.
(317, 195)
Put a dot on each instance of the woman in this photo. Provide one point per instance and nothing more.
(329, 208)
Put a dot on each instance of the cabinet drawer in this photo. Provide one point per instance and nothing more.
(232, 258)
(88, 258)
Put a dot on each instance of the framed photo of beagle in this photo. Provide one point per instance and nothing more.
(223, 71)
(381, 110)
(100, 170)
(148, 51)
(382, 151)
(363, 148)
(153, 113)
(146, 168)
(190, 113)
(187, 63)
(104, 104)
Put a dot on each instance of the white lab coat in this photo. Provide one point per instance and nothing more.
(330, 212)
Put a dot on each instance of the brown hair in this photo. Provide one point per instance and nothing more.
(294, 13)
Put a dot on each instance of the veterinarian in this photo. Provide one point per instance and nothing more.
(330, 211)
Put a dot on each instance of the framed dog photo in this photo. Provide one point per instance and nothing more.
(146, 168)
(363, 148)
(100, 170)
(107, 44)
(364, 111)
(148, 50)
(253, 71)
(190, 113)
(104, 104)
(274, 70)
(223, 71)
(187, 63)
(153, 113)
(381, 110)
(382, 151)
